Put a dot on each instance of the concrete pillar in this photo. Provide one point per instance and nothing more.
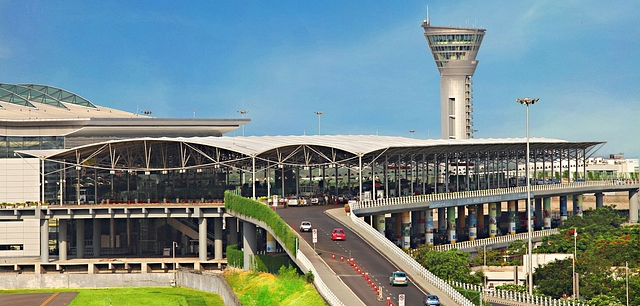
(599, 199)
(512, 217)
(97, 232)
(442, 220)
(538, 213)
(421, 228)
(380, 223)
(633, 206)
(44, 240)
(480, 219)
(531, 217)
(577, 205)
(217, 238)
(397, 222)
(271, 243)
(563, 208)
(428, 238)
(473, 223)
(232, 227)
(112, 233)
(493, 219)
(249, 243)
(406, 230)
(546, 213)
(80, 238)
(451, 222)
(202, 238)
(62, 239)
(461, 223)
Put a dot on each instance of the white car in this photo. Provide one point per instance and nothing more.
(292, 201)
(305, 226)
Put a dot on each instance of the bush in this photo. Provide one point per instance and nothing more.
(259, 211)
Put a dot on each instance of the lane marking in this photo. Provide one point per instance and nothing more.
(49, 299)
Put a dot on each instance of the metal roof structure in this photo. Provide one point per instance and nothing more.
(261, 152)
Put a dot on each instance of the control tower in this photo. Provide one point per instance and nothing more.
(454, 50)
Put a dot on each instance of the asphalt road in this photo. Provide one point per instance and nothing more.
(365, 257)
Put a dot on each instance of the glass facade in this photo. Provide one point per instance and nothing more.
(8, 145)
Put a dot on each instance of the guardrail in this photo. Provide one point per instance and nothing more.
(322, 288)
(418, 268)
(499, 239)
(518, 297)
(480, 193)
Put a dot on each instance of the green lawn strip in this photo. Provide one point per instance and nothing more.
(268, 289)
(148, 296)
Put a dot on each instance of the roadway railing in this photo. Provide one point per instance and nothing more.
(481, 193)
(518, 298)
(494, 240)
(322, 288)
(391, 248)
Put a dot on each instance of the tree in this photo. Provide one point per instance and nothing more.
(452, 265)
(555, 278)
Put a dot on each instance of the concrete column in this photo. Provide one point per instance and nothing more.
(473, 223)
(249, 243)
(461, 220)
(271, 243)
(44, 240)
(546, 213)
(406, 230)
(97, 232)
(599, 199)
(232, 227)
(633, 206)
(451, 222)
(493, 219)
(480, 218)
(428, 238)
(531, 218)
(80, 238)
(217, 238)
(577, 205)
(62, 240)
(442, 220)
(112, 232)
(202, 238)
(538, 213)
(421, 228)
(380, 223)
(512, 217)
(563, 208)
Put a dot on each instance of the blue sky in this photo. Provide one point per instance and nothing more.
(365, 64)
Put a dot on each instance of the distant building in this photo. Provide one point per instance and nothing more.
(615, 166)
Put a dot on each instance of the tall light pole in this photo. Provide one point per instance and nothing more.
(174, 245)
(318, 113)
(576, 290)
(242, 112)
(527, 101)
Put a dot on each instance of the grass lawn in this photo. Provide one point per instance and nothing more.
(253, 288)
(148, 296)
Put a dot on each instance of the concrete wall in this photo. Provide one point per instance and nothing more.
(42, 281)
(24, 232)
(19, 180)
(209, 282)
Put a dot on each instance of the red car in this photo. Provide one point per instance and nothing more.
(338, 234)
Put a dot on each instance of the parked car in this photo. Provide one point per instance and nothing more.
(431, 299)
(293, 201)
(315, 200)
(338, 234)
(304, 201)
(398, 278)
(305, 226)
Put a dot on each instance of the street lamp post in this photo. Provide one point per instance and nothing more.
(527, 101)
(242, 112)
(318, 113)
(174, 245)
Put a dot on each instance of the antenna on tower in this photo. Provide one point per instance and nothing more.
(428, 21)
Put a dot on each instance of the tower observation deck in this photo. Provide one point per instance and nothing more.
(454, 50)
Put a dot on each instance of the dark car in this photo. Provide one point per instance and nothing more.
(431, 299)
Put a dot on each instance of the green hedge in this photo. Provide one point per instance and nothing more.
(235, 257)
(264, 213)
